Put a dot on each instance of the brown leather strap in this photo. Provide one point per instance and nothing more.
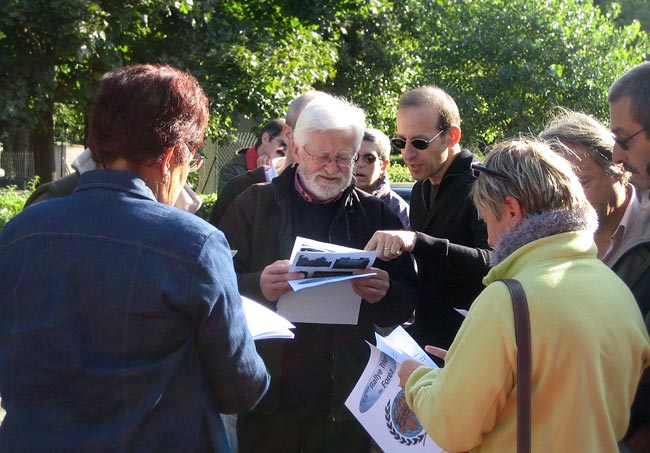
(524, 363)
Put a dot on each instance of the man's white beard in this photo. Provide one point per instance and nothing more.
(323, 192)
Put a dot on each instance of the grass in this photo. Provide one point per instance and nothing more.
(12, 200)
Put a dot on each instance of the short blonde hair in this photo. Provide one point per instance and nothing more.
(538, 178)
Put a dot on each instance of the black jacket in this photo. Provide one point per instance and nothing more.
(259, 226)
(232, 189)
(451, 251)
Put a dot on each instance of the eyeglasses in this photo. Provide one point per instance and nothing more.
(195, 162)
(418, 143)
(367, 158)
(342, 162)
(623, 143)
(478, 168)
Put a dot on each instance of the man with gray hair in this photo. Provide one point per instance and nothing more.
(623, 236)
(313, 374)
(629, 110)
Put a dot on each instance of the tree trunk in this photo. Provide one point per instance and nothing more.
(42, 141)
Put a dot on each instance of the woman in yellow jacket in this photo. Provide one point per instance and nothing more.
(589, 342)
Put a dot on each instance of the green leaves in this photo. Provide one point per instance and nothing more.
(507, 63)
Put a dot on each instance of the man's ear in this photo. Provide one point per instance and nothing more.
(297, 153)
(166, 164)
(385, 164)
(266, 137)
(513, 210)
(454, 134)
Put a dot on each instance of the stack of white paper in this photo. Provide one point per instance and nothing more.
(264, 323)
(325, 296)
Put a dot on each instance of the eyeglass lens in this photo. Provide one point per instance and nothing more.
(367, 158)
(623, 142)
(417, 143)
(324, 160)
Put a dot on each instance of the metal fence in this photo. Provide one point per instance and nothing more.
(216, 157)
(17, 166)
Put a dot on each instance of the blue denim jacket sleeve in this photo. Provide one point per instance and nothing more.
(236, 373)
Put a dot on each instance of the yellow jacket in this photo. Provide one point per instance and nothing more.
(589, 347)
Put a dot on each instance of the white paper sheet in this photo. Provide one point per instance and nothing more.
(264, 323)
(327, 297)
(378, 402)
(333, 303)
(401, 346)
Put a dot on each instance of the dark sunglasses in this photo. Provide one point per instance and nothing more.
(478, 168)
(623, 143)
(367, 158)
(418, 143)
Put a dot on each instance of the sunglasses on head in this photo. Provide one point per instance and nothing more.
(418, 143)
(478, 168)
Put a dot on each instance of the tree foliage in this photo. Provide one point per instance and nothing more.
(506, 62)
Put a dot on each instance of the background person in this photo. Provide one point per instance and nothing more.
(541, 226)
(121, 328)
(370, 172)
(262, 174)
(269, 145)
(623, 233)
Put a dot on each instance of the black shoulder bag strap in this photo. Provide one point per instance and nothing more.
(524, 363)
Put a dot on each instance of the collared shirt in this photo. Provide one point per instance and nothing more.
(626, 232)
(251, 158)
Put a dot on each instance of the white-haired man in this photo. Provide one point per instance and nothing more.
(312, 375)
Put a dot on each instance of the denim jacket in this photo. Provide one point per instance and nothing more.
(121, 326)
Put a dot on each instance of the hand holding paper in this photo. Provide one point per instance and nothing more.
(378, 402)
(373, 289)
(410, 365)
(329, 294)
(274, 278)
(406, 369)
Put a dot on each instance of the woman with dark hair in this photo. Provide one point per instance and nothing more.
(589, 345)
(121, 326)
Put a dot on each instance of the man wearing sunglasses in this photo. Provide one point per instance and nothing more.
(447, 238)
(629, 111)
